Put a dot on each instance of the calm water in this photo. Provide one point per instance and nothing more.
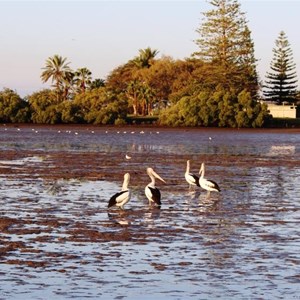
(240, 244)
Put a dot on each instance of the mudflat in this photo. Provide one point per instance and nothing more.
(56, 182)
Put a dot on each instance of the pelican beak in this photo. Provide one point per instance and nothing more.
(158, 177)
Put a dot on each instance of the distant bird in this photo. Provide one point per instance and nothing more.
(191, 179)
(151, 191)
(121, 198)
(208, 185)
(127, 156)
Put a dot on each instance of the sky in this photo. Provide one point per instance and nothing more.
(102, 35)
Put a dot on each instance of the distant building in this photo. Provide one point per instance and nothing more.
(283, 111)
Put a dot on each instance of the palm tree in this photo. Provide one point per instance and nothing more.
(68, 85)
(83, 79)
(97, 83)
(59, 71)
(148, 94)
(133, 93)
(144, 60)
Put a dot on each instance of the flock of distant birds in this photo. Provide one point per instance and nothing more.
(153, 193)
(91, 131)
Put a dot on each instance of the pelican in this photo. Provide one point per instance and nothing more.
(208, 185)
(152, 192)
(127, 156)
(121, 198)
(189, 177)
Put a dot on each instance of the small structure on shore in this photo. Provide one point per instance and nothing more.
(284, 111)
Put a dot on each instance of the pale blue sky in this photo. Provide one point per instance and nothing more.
(102, 35)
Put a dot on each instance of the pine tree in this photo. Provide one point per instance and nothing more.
(281, 81)
(225, 42)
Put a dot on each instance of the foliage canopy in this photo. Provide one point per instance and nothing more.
(225, 44)
(217, 86)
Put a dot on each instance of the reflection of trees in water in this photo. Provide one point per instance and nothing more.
(199, 146)
(282, 150)
(157, 148)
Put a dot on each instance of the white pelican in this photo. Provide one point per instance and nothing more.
(121, 198)
(152, 192)
(189, 177)
(208, 185)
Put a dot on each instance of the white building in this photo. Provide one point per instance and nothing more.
(283, 111)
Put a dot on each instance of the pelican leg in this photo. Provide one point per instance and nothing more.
(192, 187)
(208, 195)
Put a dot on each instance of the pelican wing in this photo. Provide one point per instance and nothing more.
(212, 185)
(192, 179)
(118, 198)
(215, 185)
(156, 196)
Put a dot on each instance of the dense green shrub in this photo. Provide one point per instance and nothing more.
(13, 109)
(221, 108)
(44, 107)
(100, 106)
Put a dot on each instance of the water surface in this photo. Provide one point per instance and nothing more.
(59, 241)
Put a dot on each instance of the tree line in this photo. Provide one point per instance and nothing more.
(216, 86)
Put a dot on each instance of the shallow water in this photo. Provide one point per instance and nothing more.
(59, 241)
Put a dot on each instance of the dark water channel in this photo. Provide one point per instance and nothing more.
(59, 241)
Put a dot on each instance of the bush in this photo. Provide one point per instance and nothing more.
(13, 109)
(220, 108)
(44, 107)
(99, 106)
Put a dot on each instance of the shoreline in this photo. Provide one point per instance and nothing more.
(148, 127)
